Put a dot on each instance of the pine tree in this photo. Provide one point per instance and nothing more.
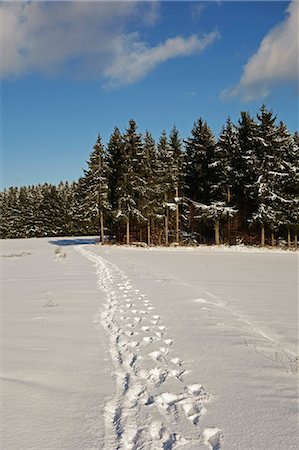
(150, 204)
(247, 196)
(227, 165)
(178, 169)
(268, 169)
(166, 179)
(131, 183)
(200, 149)
(96, 182)
(117, 167)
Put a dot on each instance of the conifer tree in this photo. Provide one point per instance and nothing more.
(178, 170)
(96, 181)
(150, 206)
(227, 165)
(117, 167)
(165, 187)
(247, 195)
(268, 164)
(131, 183)
(200, 147)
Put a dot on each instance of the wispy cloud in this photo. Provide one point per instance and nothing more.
(276, 60)
(134, 59)
(197, 9)
(86, 39)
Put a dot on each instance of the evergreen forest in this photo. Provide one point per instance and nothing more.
(240, 188)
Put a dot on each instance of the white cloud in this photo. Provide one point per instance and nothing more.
(43, 36)
(276, 60)
(134, 59)
(85, 39)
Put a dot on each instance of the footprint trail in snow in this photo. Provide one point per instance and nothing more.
(152, 407)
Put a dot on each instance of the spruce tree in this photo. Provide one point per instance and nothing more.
(150, 204)
(131, 185)
(247, 196)
(200, 147)
(96, 182)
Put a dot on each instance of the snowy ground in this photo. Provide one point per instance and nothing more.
(116, 347)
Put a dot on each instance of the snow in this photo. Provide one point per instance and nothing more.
(118, 347)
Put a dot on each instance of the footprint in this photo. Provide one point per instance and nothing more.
(195, 389)
(156, 356)
(145, 328)
(157, 430)
(177, 374)
(133, 344)
(168, 341)
(157, 376)
(156, 317)
(137, 319)
(148, 339)
(191, 410)
(167, 399)
(176, 361)
(212, 438)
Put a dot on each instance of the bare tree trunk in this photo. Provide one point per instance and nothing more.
(149, 232)
(272, 238)
(263, 236)
(228, 195)
(295, 239)
(228, 218)
(160, 237)
(140, 234)
(102, 226)
(128, 232)
(289, 237)
(166, 222)
(177, 215)
(217, 234)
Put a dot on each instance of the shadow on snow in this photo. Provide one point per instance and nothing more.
(73, 241)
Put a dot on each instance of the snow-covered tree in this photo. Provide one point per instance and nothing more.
(131, 182)
(200, 147)
(96, 182)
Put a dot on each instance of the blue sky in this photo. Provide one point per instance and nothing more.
(71, 70)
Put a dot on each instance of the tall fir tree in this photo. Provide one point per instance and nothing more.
(200, 147)
(131, 183)
(96, 181)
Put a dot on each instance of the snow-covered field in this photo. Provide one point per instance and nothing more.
(131, 348)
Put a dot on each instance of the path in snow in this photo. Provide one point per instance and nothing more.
(152, 407)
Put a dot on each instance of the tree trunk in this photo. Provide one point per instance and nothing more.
(140, 234)
(272, 238)
(128, 232)
(166, 222)
(263, 236)
(102, 226)
(289, 237)
(177, 215)
(217, 235)
(295, 240)
(149, 232)
(160, 237)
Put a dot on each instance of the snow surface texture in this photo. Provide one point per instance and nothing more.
(173, 349)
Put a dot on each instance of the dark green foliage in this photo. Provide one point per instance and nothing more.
(200, 148)
(248, 178)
